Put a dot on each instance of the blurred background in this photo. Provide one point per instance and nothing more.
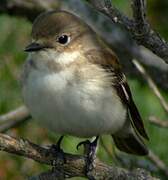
(14, 36)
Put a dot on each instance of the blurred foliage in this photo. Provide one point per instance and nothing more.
(158, 15)
(15, 34)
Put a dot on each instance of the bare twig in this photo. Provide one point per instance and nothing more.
(151, 156)
(152, 85)
(106, 7)
(107, 149)
(111, 153)
(13, 117)
(158, 162)
(29, 9)
(70, 165)
(139, 15)
(158, 122)
(138, 26)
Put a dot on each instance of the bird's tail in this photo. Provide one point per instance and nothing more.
(132, 144)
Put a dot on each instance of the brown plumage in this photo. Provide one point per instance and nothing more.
(87, 59)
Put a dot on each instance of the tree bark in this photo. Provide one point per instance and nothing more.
(68, 165)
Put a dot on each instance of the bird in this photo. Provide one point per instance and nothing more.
(73, 84)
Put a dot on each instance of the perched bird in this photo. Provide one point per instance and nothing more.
(73, 84)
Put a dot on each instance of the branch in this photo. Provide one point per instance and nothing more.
(73, 166)
(107, 8)
(29, 9)
(158, 162)
(158, 122)
(152, 85)
(138, 26)
(151, 156)
(13, 118)
(139, 14)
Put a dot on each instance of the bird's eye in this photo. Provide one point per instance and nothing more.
(64, 39)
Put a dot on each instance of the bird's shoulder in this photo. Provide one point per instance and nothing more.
(104, 57)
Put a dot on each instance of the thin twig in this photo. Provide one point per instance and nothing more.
(29, 9)
(107, 149)
(151, 156)
(111, 153)
(151, 84)
(158, 162)
(106, 7)
(158, 122)
(13, 118)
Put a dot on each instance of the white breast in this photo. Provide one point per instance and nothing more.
(66, 106)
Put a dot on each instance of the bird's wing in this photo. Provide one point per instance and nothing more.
(109, 61)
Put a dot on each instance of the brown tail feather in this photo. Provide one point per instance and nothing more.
(131, 144)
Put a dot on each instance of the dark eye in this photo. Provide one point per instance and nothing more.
(64, 39)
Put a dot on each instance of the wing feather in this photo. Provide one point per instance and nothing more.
(109, 61)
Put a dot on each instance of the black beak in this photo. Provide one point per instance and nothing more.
(34, 47)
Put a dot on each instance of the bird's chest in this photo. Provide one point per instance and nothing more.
(81, 108)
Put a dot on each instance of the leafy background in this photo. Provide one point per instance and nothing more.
(15, 34)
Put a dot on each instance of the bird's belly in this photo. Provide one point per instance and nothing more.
(73, 109)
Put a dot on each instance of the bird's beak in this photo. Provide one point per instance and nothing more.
(34, 47)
